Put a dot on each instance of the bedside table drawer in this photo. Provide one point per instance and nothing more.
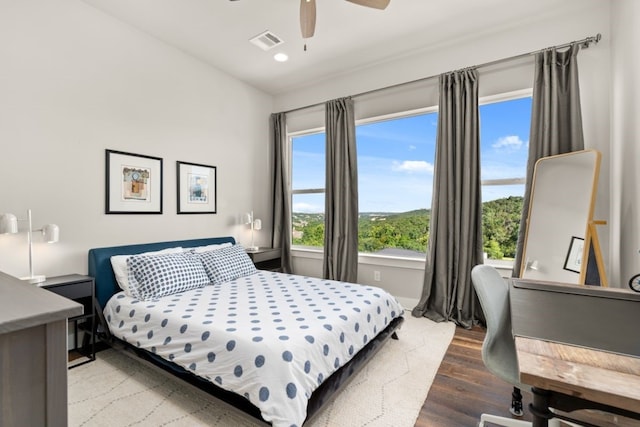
(73, 291)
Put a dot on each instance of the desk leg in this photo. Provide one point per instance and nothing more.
(540, 407)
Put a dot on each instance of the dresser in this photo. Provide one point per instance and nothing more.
(33, 354)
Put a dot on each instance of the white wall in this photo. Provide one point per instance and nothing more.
(590, 19)
(625, 140)
(74, 82)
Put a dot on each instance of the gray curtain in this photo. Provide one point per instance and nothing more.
(341, 197)
(455, 233)
(281, 184)
(556, 120)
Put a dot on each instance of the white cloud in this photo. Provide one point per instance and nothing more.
(307, 208)
(412, 166)
(511, 141)
(412, 147)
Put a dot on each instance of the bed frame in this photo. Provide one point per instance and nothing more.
(106, 286)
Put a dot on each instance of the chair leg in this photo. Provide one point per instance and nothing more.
(516, 402)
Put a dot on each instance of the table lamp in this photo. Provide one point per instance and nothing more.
(255, 224)
(50, 233)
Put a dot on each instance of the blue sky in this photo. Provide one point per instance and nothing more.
(396, 159)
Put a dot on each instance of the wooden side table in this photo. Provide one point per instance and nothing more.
(80, 289)
(266, 259)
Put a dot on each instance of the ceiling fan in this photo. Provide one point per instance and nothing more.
(308, 13)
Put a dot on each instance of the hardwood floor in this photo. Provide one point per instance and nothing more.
(463, 388)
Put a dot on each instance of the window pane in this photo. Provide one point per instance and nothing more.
(504, 144)
(308, 160)
(308, 220)
(493, 192)
(504, 138)
(395, 181)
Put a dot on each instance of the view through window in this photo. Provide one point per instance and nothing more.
(504, 148)
(395, 181)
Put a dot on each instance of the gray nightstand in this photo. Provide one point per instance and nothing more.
(80, 289)
(266, 258)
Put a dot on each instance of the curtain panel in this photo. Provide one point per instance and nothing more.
(556, 119)
(341, 193)
(281, 237)
(455, 234)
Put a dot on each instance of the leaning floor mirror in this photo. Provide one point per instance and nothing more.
(561, 242)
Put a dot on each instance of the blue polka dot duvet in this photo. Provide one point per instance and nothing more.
(270, 337)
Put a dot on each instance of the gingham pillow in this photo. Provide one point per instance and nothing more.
(160, 275)
(227, 264)
(120, 270)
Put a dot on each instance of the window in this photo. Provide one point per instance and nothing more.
(396, 156)
(307, 182)
(395, 180)
(504, 145)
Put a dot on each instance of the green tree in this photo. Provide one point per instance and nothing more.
(410, 230)
(500, 226)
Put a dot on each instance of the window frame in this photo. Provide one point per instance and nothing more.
(391, 260)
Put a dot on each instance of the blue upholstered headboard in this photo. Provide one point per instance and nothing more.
(100, 261)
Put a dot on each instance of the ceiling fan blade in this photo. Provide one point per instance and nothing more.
(376, 4)
(307, 18)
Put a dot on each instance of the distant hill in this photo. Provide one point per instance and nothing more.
(380, 231)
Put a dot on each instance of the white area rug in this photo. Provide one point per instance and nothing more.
(117, 390)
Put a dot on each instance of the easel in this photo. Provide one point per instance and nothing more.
(594, 273)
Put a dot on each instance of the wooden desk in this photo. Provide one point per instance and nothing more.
(33, 354)
(567, 378)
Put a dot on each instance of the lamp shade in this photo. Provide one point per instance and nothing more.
(51, 233)
(257, 224)
(8, 224)
(247, 218)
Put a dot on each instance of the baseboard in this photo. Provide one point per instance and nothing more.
(407, 303)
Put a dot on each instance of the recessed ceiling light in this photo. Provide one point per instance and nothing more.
(280, 57)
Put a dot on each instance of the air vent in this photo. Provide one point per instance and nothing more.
(266, 40)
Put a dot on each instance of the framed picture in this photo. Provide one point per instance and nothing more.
(574, 255)
(196, 188)
(133, 183)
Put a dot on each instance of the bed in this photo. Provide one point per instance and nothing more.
(277, 346)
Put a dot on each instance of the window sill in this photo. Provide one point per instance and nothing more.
(504, 266)
(366, 259)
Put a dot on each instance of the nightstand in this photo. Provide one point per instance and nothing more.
(80, 289)
(266, 258)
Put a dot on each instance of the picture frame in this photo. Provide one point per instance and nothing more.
(197, 188)
(133, 183)
(573, 262)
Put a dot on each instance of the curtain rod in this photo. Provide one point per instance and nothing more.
(584, 43)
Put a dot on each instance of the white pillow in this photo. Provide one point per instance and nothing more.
(200, 249)
(121, 271)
